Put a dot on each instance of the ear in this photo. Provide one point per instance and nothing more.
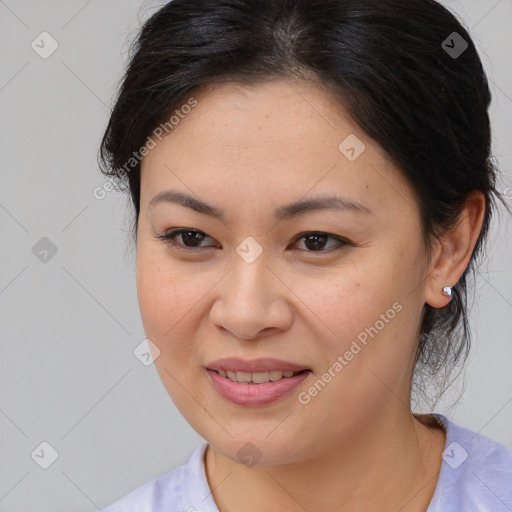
(454, 250)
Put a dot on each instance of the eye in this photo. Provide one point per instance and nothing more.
(316, 240)
(188, 236)
(192, 238)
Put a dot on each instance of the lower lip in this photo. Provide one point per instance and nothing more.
(242, 393)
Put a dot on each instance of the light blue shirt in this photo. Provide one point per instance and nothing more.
(476, 476)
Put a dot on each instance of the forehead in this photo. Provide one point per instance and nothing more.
(278, 140)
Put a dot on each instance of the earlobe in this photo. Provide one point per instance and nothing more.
(439, 297)
(454, 252)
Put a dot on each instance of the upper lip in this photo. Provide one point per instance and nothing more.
(236, 364)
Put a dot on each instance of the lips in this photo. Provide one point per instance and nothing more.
(234, 364)
(256, 382)
(259, 391)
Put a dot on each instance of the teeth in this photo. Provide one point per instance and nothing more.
(257, 378)
(275, 375)
(243, 377)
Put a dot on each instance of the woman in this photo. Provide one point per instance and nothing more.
(312, 185)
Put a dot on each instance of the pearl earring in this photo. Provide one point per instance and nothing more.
(447, 291)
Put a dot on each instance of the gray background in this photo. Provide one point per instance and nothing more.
(68, 374)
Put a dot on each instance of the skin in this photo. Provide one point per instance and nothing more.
(247, 150)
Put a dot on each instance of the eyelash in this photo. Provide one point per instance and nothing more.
(169, 239)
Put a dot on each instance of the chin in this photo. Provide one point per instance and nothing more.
(254, 451)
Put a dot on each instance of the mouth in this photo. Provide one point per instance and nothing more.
(255, 382)
(258, 377)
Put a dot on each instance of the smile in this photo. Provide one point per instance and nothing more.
(253, 389)
(259, 377)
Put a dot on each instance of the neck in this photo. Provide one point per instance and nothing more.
(391, 464)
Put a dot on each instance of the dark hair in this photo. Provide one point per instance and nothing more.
(393, 64)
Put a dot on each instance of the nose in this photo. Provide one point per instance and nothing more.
(252, 301)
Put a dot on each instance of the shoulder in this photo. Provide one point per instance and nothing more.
(476, 472)
(169, 492)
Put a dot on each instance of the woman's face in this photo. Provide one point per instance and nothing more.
(253, 284)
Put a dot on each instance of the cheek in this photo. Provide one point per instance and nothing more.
(170, 304)
(366, 314)
(168, 296)
(342, 304)
(365, 341)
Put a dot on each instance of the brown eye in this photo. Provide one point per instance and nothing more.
(190, 238)
(315, 241)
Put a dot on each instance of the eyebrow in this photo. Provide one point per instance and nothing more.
(287, 211)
